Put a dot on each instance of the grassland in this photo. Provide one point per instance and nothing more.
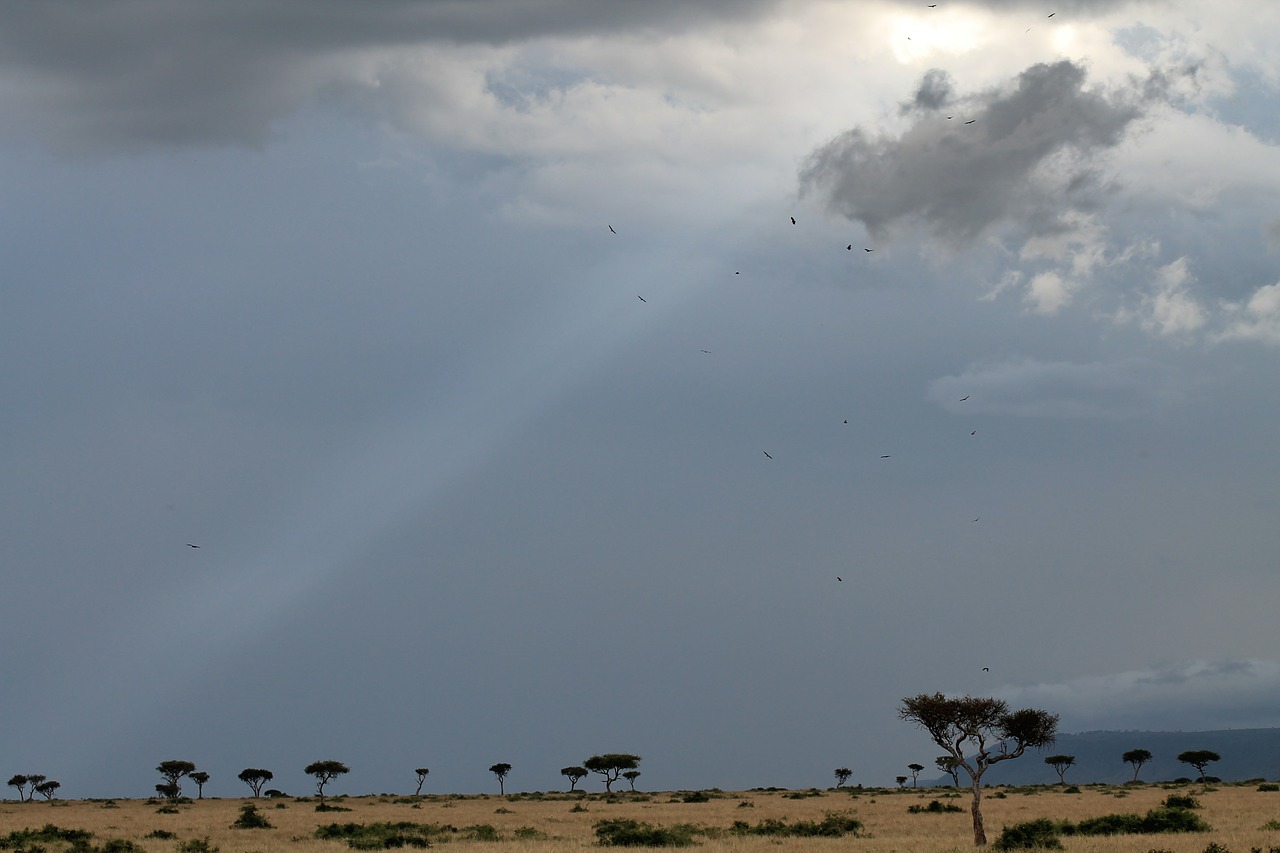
(1239, 815)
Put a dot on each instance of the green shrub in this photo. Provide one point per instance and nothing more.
(694, 797)
(531, 833)
(627, 832)
(579, 807)
(832, 825)
(1041, 834)
(1073, 789)
(48, 832)
(325, 807)
(196, 845)
(250, 818)
(1181, 801)
(934, 807)
(1269, 786)
(385, 835)
(1271, 826)
(162, 834)
(1154, 821)
(120, 845)
(481, 832)
(167, 810)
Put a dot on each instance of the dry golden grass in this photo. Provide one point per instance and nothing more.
(1236, 813)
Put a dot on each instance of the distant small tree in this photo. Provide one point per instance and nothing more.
(842, 775)
(1061, 763)
(48, 789)
(34, 779)
(631, 776)
(501, 771)
(325, 772)
(901, 780)
(611, 766)
(422, 777)
(172, 771)
(199, 777)
(947, 764)
(20, 782)
(915, 773)
(986, 726)
(1137, 758)
(1199, 759)
(255, 778)
(574, 775)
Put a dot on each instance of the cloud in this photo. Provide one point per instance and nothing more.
(1185, 695)
(1257, 319)
(1036, 389)
(1019, 154)
(1169, 308)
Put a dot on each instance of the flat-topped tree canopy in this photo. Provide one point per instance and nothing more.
(610, 765)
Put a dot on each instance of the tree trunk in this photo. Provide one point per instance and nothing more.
(979, 832)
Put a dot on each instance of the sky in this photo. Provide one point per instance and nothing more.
(547, 378)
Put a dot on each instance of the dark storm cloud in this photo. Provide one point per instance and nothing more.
(123, 75)
(934, 93)
(983, 166)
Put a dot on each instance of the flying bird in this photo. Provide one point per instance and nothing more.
(986, 669)
(766, 453)
(979, 518)
(793, 220)
(1051, 14)
(965, 397)
(707, 351)
(971, 121)
(611, 231)
(641, 298)
(839, 578)
(189, 545)
(886, 457)
(849, 247)
(868, 250)
(846, 420)
(975, 432)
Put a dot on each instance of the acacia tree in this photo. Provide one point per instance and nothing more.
(901, 780)
(501, 771)
(631, 776)
(47, 789)
(325, 772)
(842, 775)
(915, 772)
(199, 777)
(20, 781)
(1136, 757)
(422, 777)
(255, 778)
(573, 774)
(34, 779)
(1061, 763)
(1199, 759)
(172, 771)
(947, 764)
(984, 726)
(611, 765)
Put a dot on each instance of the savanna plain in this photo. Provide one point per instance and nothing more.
(1242, 819)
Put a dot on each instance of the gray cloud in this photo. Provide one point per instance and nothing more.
(1030, 388)
(156, 74)
(935, 92)
(1026, 156)
(1183, 695)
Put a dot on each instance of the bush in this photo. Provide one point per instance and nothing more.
(1154, 821)
(832, 825)
(121, 845)
(934, 807)
(627, 832)
(250, 818)
(1073, 789)
(48, 832)
(1269, 786)
(196, 845)
(1039, 834)
(162, 834)
(695, 797)
(1181, 801)
(325, 807)
(531, 833)
(385, 835)
(481, 832)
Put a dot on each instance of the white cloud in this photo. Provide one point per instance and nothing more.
(1168, 308)
(1257, 319)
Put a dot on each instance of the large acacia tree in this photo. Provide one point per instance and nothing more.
(610, 766)
(1199, 759)
(255, 778)
(324, 773)
(1137, 758)
(978, 732)
(172, 771)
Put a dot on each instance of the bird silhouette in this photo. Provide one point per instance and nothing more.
(886, 457)
(986, 669)
(189, 545)
(971, 121)
(611, 231)
(849, 247)
(641, 298)
(766, 453)
(868, 250)
(793, 220)
(975, 432)
(1051, 14)
(965, 397)
(839, 578)
(707, 351)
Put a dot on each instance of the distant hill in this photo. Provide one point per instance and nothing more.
(1246, 754)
